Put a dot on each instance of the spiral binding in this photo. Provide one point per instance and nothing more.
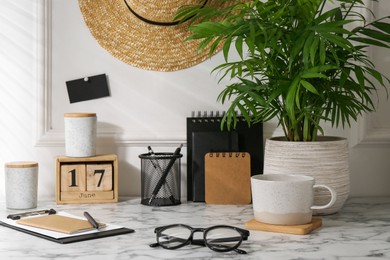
(229, 154)
(212, 116)
(207, 114)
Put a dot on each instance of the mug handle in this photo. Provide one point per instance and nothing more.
(332, 199)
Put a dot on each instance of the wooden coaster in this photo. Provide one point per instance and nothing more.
(297, 229)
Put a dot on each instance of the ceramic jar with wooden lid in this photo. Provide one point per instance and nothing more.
(80, 134)
(21, 185)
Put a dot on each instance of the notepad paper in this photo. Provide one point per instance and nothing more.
(59, 223)
(227, 178)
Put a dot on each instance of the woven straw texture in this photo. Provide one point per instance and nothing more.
(326, 160)
(138, 43)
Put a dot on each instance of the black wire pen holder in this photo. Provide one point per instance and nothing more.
(153, 167)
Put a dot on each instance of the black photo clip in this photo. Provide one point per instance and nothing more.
(87, 88)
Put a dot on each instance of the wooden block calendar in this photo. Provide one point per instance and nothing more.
(87, 179)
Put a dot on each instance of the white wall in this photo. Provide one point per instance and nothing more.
(145, 107)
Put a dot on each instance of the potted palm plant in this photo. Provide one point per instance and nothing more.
(303, 62)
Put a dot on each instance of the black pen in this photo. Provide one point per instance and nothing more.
(91, 220)
(164, 175)
(157, 165)
(153, 162)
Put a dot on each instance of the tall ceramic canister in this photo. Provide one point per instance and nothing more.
(21, 185)
(80, 134)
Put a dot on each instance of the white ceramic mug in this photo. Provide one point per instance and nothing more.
(283, 199)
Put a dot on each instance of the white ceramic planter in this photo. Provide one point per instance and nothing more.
(326, 160)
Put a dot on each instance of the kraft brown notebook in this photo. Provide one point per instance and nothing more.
(228, 178)
(59, 223)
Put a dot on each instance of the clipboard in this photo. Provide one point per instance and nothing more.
(65, 238)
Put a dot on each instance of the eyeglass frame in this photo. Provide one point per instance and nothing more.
(202, 242)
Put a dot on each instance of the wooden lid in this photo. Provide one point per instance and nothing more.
(21, 164)
(80, 114)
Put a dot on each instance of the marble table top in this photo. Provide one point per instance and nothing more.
(361, 230)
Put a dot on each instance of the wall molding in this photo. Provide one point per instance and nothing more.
(45, 135)
(366, 134)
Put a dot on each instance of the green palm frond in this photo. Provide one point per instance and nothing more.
(298, 61)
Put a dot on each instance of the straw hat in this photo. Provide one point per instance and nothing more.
(142, 33)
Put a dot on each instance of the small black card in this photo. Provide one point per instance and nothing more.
(87, 88)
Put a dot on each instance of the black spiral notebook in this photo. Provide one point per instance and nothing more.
(202, 143)
(249, 138)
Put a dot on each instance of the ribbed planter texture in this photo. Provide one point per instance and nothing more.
(326, 160)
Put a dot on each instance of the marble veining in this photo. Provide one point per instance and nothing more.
(361, 230)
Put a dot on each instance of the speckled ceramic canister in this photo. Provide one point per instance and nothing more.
(80, 134)
(21, 185)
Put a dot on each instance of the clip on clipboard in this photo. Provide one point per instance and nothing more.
(31, 213)
(63, 237)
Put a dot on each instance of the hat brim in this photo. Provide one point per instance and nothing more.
(138, 43)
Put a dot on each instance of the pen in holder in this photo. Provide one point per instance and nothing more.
(160, 178)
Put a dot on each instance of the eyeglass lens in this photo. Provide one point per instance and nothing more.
(222, 238)
(174, 236)
(218, 239)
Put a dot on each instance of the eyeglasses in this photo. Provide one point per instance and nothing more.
(219, 238)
